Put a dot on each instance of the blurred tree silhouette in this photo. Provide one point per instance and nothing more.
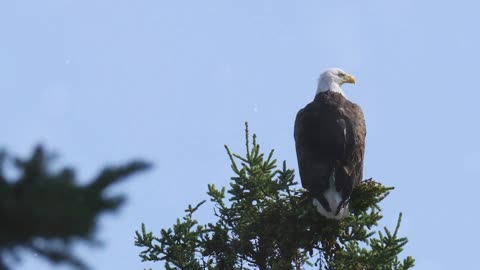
(45, 212)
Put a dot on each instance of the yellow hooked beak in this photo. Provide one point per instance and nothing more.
(348, 79)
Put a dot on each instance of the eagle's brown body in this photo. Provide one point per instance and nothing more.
(330, 142)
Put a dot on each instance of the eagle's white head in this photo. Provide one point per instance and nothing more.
(332, 80)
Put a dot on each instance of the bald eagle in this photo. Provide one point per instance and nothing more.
(330, 142)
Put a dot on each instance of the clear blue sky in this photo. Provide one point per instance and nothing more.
(101, 82)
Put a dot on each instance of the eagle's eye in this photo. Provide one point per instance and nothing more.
(340, 74)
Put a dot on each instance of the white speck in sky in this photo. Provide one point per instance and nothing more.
(255, 108)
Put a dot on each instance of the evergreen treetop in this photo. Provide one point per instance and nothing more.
(264, 222)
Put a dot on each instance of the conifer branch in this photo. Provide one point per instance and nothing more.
(265, 222)
(44, 211)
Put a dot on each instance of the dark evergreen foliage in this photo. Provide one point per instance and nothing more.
(266, 223)
(44, 211)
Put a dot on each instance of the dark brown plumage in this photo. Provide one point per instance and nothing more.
(330, 141)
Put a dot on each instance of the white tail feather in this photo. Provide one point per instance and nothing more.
(333, 198)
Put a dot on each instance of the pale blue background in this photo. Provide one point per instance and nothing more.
(101, 82)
